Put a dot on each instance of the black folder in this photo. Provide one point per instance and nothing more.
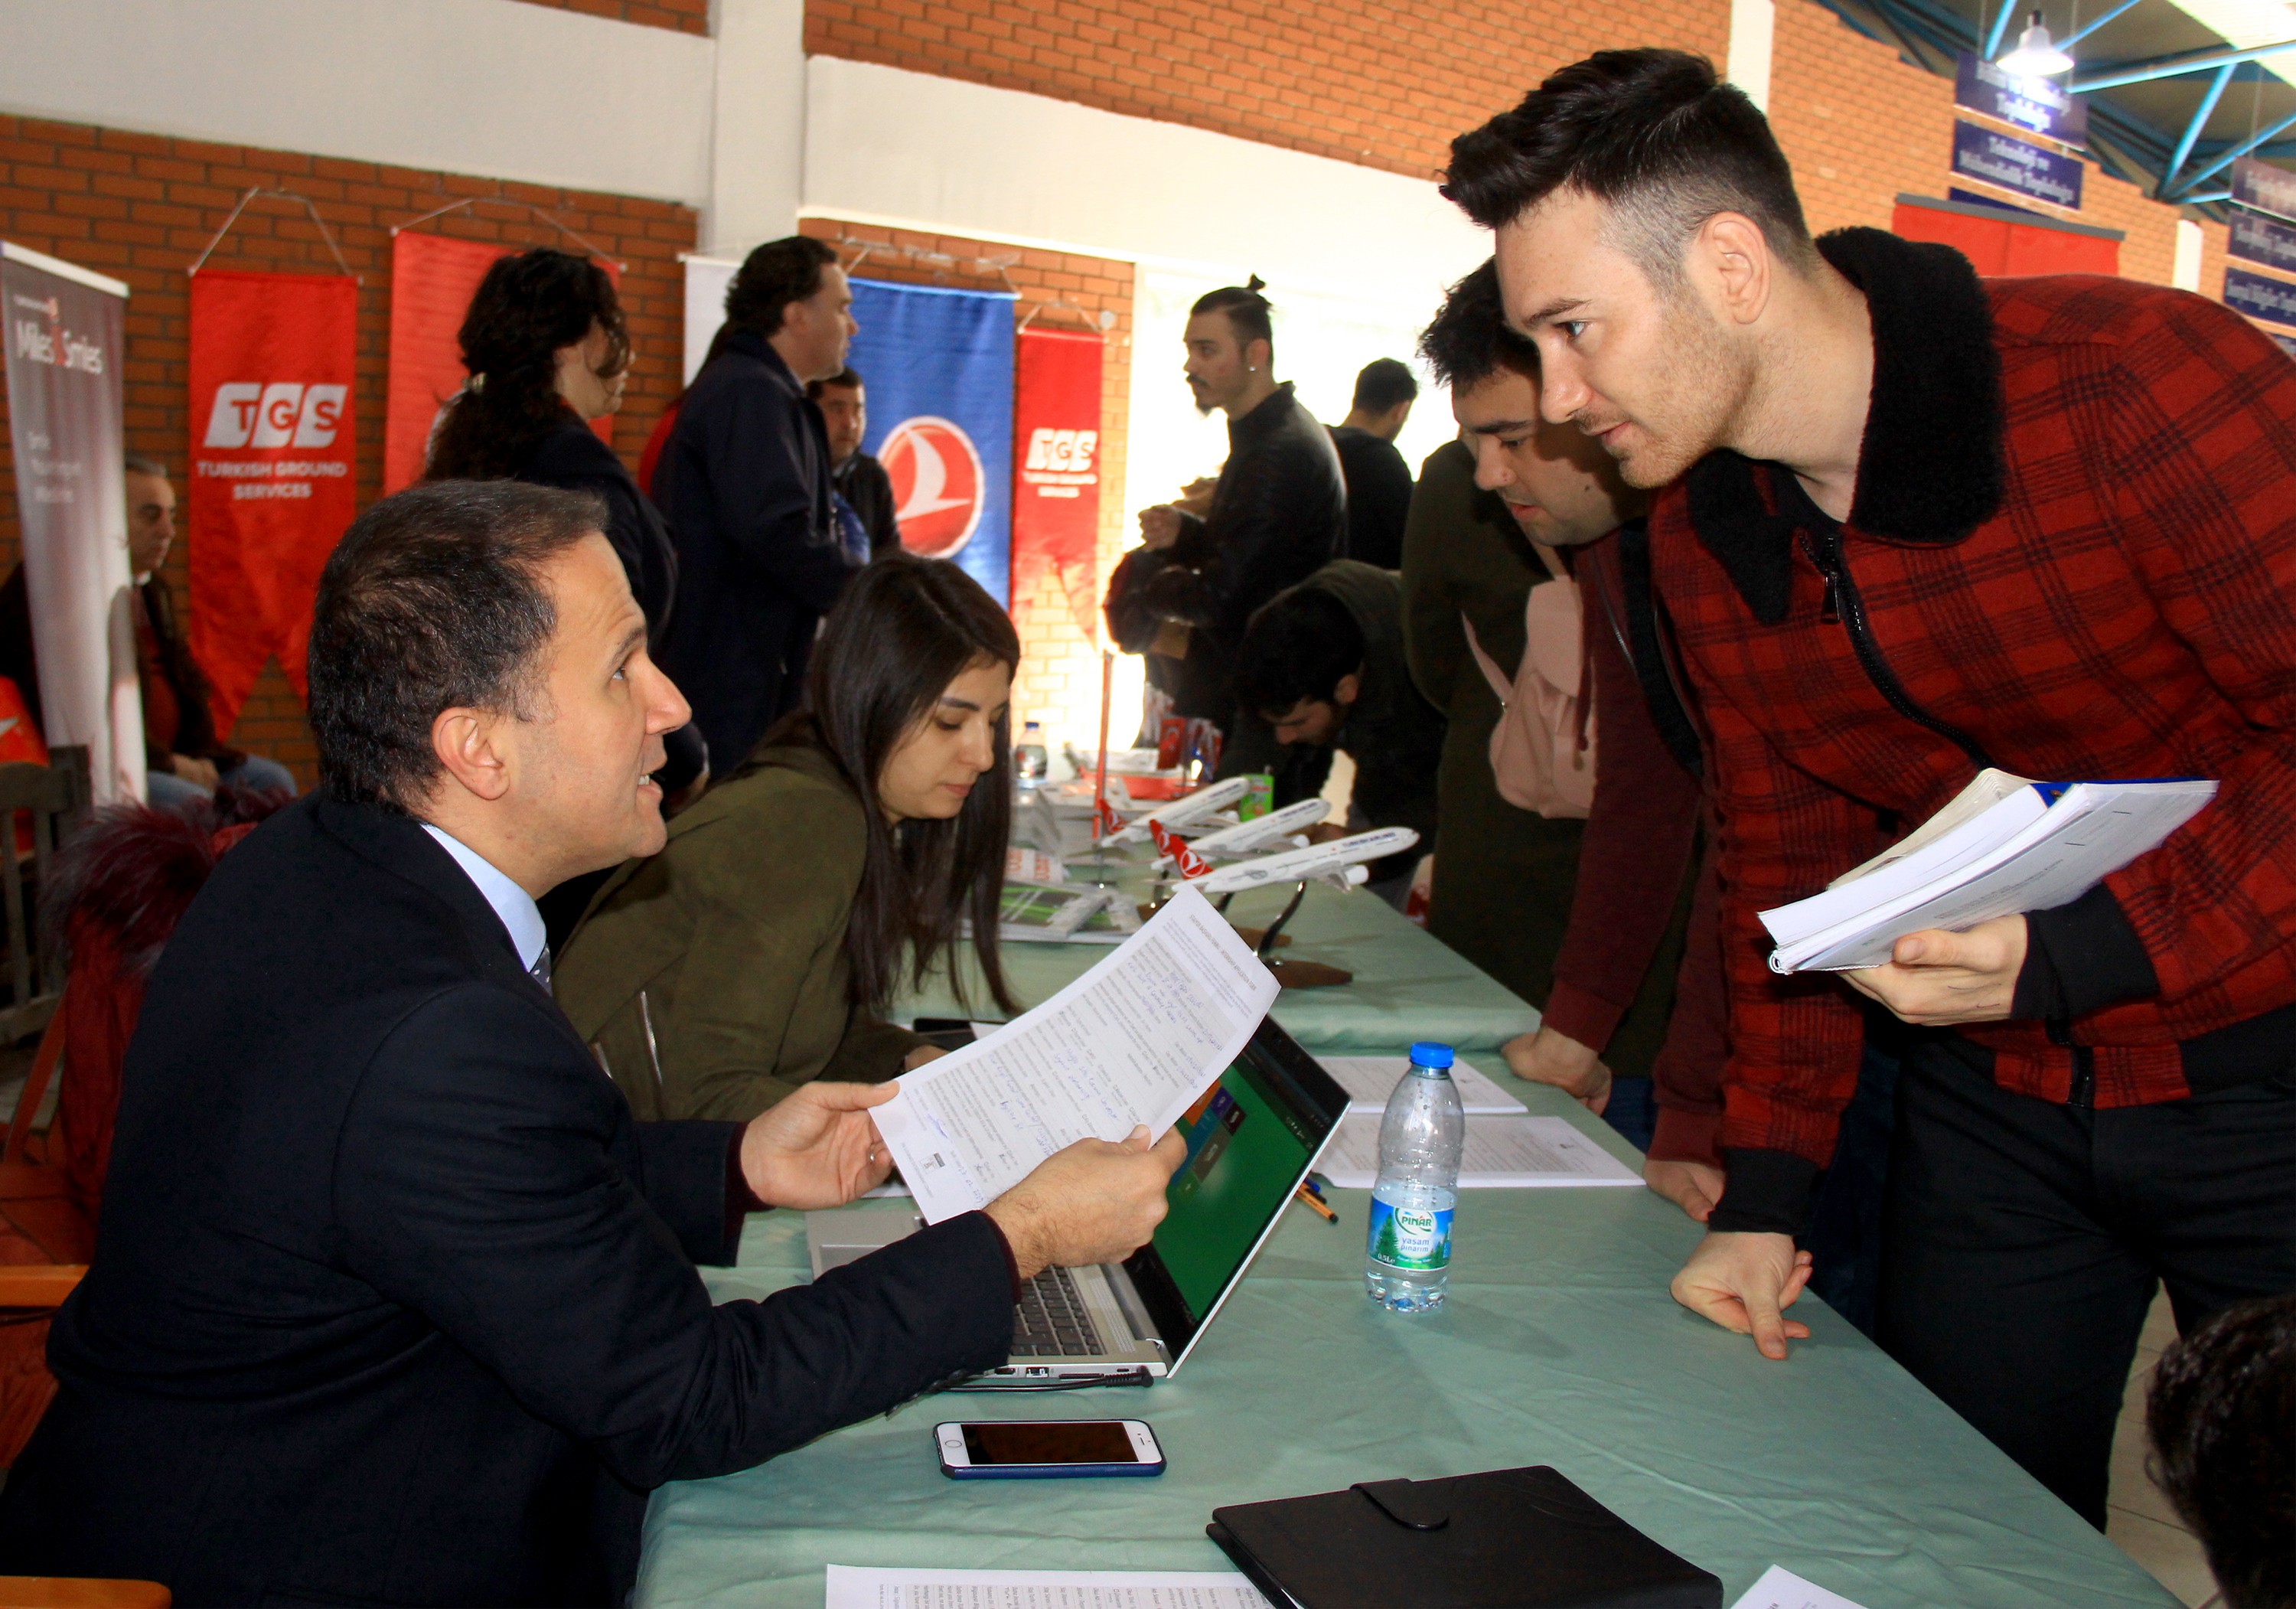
(1506, 1539)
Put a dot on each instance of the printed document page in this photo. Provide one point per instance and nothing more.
(1781, 1589)
(853, 1586)
(1369, 1080)
(1503, 1153)
(1135, 1040)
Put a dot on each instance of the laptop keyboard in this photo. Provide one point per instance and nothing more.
(1049, 1320)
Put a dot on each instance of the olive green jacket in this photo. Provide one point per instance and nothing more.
(710, 979)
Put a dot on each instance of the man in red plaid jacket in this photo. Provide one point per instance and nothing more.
(1914, 524)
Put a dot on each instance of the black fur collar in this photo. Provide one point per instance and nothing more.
(1931, 468)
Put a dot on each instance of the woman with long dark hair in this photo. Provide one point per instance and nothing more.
(763, 946)
(547, 351)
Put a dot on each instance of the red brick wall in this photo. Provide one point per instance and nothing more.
(686, 16)
(140, 208)
(1386, 85)
(1059, 683)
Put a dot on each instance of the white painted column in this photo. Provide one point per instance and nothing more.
(2185, 274)
(1753, 24)
(757, 162)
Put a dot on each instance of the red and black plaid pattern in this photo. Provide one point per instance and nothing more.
(2129, 611)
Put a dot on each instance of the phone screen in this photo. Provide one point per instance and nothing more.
(1079, 1442)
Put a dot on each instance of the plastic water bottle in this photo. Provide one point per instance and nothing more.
(1407, 1264)
(1029, 760)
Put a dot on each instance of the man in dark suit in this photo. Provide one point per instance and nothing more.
(746, 484)
(859, 477)
(391, 1300)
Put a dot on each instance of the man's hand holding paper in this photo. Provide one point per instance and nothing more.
(1935, 979)
(1132, 1043)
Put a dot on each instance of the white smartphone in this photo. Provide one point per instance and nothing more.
(1025, 1449)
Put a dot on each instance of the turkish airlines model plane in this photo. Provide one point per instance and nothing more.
(1195, 807)
(1243, 839)
(1340, 858)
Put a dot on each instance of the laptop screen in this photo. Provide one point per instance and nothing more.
(1250, 1139)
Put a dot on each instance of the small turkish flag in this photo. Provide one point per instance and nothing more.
(1190, 865)
(1105, 821)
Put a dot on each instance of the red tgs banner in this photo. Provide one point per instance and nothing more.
(273, 359)
(1056, 468)
(432, 278)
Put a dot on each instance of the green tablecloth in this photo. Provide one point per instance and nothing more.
(1560, 1346)
(1407, 985)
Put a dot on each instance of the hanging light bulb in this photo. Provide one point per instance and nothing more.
(2037, 55)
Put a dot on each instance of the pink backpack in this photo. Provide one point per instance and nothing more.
(1543, 746)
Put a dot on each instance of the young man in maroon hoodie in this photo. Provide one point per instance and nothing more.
(1913, 525)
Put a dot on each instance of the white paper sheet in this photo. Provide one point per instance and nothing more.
(1369, 1080)
(1503, 1153)
(1781, 1589)
(854, 1586)
(1135, 1040)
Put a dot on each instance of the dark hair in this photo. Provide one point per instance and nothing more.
(1246, 308)
(774, 275)
(845, 380)
(1469, 338)
(1655, 134)
(136, 463)
(2222, 1413)
(906, 628)
(1298, 646)
(1385, 382)
(525, 309)
(432, 601)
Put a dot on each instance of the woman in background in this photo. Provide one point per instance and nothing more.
(763, 946)
(547, 351)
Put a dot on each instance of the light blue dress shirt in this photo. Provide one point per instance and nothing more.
(516, 908)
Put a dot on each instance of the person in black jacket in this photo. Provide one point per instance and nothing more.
(1379, 481)
(392, 1302)
(859, 479)
(1278, 513)
(547, 351)
(745, 481)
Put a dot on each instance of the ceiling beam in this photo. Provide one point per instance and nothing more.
(2237, 151)
(2114, 75)
(2192, 129)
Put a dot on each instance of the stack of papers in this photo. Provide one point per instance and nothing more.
(2005, 845)
(1369, 1080)
(1502, 1153)
(853, 1588)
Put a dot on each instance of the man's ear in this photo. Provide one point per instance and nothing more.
(469, 748)
(1730, 258)
(1260, 355)
(1348, 688)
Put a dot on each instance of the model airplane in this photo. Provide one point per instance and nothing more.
(1343, 858)
(1180, 812)
(1263, 832)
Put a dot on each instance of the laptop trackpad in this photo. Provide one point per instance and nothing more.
(843, 1235)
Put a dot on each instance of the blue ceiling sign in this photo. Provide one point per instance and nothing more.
(2272, 300)
(2258, 239)
(2263, 186)
(2034, 104)
(2010, 163)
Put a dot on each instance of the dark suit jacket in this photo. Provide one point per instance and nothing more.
(392, 1302)
(745, 481)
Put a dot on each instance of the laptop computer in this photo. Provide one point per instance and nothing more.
(1253, 1137)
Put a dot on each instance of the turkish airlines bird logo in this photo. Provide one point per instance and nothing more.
(938, 484)
(1105, 821)
(1190, 865)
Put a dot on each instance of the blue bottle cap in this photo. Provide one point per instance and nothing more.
(1427, 1053)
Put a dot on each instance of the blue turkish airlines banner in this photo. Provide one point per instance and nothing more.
(937, 366)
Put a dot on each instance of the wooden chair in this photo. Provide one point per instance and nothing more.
(79, 1592)
(55, 796)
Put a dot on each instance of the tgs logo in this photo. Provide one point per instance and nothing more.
(939, 486)
(284, 413)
